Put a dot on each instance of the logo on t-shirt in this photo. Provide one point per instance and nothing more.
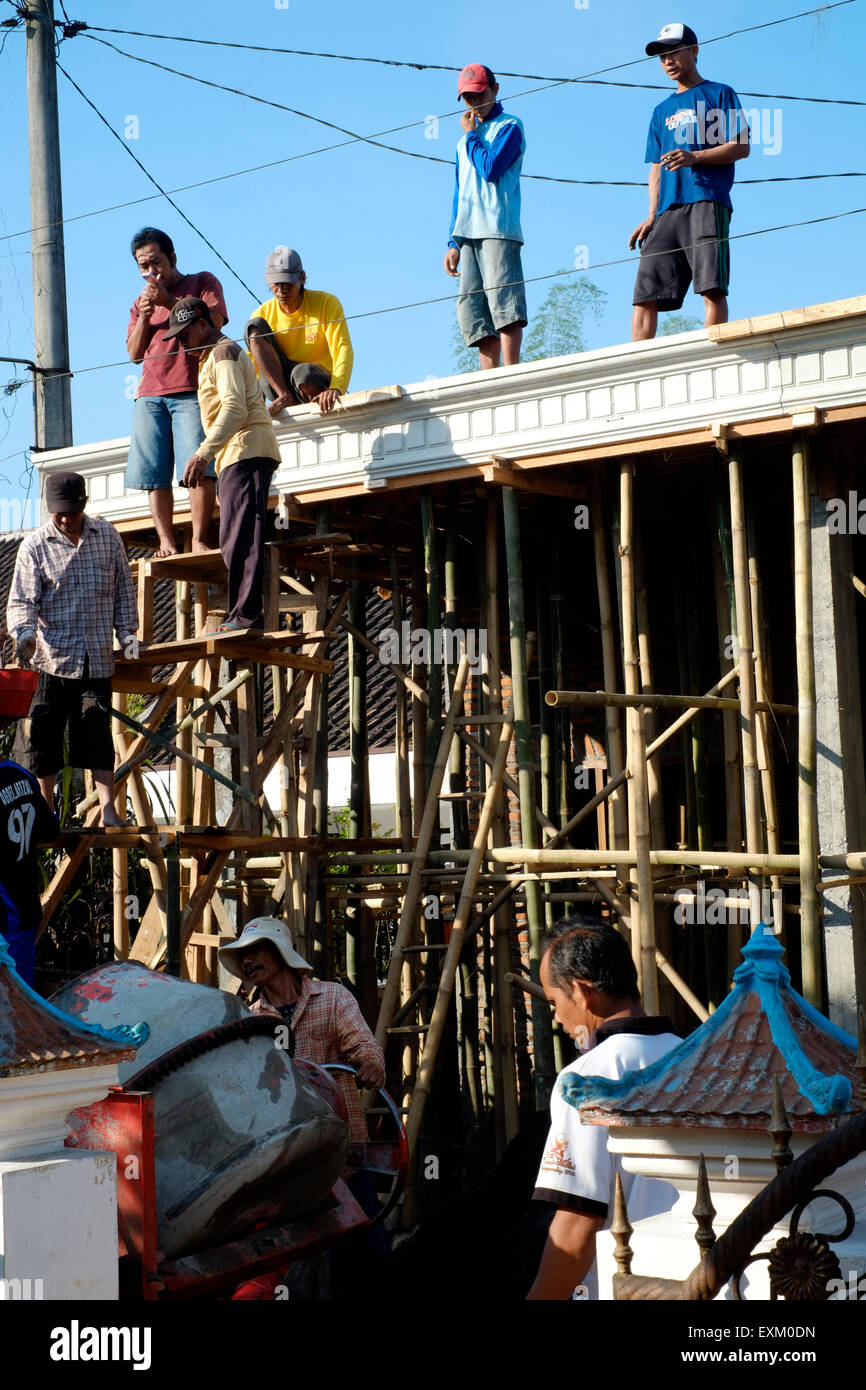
(556, 1159)
(683, 117)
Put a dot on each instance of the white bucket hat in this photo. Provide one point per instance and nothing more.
(264, 929)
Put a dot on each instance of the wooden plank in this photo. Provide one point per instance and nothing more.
(197, 565)
(150, 937)
(226, 644)
(788, 318)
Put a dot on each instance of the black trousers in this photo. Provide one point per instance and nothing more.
(243, 498)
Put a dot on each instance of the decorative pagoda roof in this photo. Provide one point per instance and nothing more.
(722, 1074)
(35, 1036)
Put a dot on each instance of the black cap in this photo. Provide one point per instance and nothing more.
(185, 312)
(65, 492)
(672, 36)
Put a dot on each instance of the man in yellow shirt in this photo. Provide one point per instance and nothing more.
(299, 340)
(239, 434)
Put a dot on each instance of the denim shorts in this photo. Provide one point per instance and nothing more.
(492, 296)
(166, 432)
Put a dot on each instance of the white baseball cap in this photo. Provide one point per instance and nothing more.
(672, 36)
(264, 929)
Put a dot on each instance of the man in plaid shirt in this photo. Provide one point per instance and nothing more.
(324, 1020)
(71, 587)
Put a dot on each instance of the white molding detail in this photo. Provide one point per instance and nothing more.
(608, 396)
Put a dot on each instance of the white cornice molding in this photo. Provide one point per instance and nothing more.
(610, 395)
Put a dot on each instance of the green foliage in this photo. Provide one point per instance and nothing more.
(556, 329)
(678, 323)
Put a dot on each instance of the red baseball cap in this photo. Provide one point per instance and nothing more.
(475, 77)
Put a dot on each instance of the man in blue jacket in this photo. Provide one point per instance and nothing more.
(695, 138)
(485, 237)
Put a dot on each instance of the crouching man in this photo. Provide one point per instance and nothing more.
(589, 977)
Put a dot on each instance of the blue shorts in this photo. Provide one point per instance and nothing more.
(492, 295)
(166, 432)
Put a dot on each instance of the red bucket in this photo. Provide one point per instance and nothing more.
(17, 688)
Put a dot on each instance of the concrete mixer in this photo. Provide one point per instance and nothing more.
(229, 1152)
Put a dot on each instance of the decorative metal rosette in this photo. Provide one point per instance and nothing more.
(801, 1267)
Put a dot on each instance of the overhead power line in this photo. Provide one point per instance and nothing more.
(396, 149)
(592, 79)
(157, 185)
(374, 138)
(531, 280)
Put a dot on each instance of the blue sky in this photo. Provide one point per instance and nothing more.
(372, 226)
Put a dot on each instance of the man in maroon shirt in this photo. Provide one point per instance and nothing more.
(166, 423)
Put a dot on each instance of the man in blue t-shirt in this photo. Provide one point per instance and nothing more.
(695, 138)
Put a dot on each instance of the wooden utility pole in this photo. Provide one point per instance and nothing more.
(50, 333)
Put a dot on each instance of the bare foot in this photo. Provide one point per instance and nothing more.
(110, 817)
(199, 547)
(165, 550)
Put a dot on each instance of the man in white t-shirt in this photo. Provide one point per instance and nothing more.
(588, 975)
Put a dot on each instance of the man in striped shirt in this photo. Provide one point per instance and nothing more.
(71, 588)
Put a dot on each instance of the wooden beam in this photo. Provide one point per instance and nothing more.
(788, 318)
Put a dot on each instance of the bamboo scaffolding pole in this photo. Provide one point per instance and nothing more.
(763, 728)
(357, 679)
(528, 986)
(470, 741)
(713, 858)
(504, 1062)
(751, 784)
(313, 910)
(654, 781)
(429, 819)
(466, 998)
(419, 706)
(448, 973)
(602, 698)
(410, 989)
(615, 761)
(182, 777)
(434, 669)
(641, 878)
(620, 779)
(726, 628)
(541, 1025)
(807, 751)
(267, 757)
(403, 819)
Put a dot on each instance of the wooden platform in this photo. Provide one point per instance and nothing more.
(266, 647)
